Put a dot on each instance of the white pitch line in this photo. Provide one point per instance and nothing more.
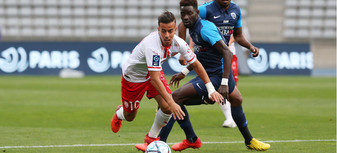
(131, 144)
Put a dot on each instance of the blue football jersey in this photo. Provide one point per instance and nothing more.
(204, 35)
(225, 20)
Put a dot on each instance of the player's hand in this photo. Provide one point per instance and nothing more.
(254, 50)
(175, 80)
(176, 111)
(217, 97)
(224, 91)
(182, 60)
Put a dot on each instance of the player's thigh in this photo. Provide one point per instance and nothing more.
(132, 94)
(185, 93)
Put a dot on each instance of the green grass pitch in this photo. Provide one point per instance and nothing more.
(51, 115)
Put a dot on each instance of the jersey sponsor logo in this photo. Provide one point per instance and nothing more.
(226, 30)
(215, 17)
(155, 60)
(225, 21)
(233, 15)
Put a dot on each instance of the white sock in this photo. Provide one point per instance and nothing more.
(160, 121)
(226, 109)
(120, 113)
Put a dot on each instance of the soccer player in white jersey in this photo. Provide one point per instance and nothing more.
(142, 72)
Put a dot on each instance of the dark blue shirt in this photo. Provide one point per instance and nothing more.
(204, 35)
(225, 20)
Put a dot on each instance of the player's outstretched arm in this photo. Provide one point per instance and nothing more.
(241, 39)
(227, 62)
(175, 109)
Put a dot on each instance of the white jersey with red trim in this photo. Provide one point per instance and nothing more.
(149, 55)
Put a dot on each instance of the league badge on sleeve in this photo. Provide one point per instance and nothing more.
(155, 60)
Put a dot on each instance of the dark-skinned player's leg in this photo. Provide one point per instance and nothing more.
(240, 120)
(185, 93)
(239, 117)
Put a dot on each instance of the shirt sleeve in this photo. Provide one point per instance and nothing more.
(238, 23)
(152, 60)
(186, 51)
(209, 33)
(202, 11)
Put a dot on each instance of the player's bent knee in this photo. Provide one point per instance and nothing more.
(130, 117)
(165, 109)
(236, 101)
(177, 97)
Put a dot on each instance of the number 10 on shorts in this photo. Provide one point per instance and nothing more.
(132, 106)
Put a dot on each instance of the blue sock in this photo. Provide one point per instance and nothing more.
(165, 131)
(240, 120)
(184, 124)
(187, 126)
(239, 116)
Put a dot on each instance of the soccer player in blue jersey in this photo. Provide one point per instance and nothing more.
(210, 49)
(226, 15)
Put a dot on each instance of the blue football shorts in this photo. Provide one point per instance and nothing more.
(201, 89)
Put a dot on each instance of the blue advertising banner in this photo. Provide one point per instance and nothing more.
(49, 58)
(282, 59)
(96, 58)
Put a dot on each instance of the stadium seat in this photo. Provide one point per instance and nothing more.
(303, 33)
(331, 13)
(39, 32)
(26, 31)
(39, 11)
(132, 11)
(303, 23)
(317, 12)
(65, 11)
(290, 12)
(52, 11)
(330, 23)
(13, 21)
(289, 33)
(316, 33)
(331, 4)
(11, 11)
(119, 12)
(79, 11)
(78, 3)
(329, 33)
(79, 22)
(304, 12)
(39, 22)
(290, 23)
(291, 3)
(79, 32)
(25, 11)
(52, 22)
(305, 3)
(66, 22)
(105, 11)
(66, 32)
(105, 22)
(91, 12)
(317, 23)
(106, 32)
(12, 31)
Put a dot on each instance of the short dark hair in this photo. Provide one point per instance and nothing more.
(166, 17)
(193, 3)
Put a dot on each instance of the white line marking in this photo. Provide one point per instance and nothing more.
(131, 144)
